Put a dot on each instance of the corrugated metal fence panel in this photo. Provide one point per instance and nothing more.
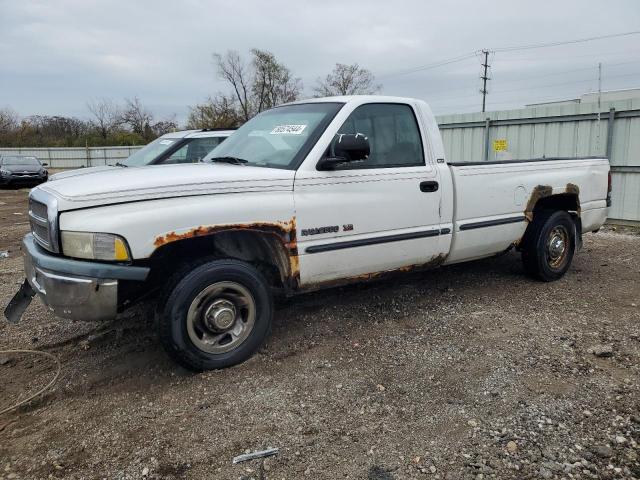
(625, 196)
(463, 142)
(626, 141)
(536, 135)
(626, 185)
(75, 157)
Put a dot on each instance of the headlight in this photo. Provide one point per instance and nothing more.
(4, 172)
(96, 246)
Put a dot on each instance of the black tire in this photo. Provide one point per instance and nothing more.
(540, 259)
(185, 287)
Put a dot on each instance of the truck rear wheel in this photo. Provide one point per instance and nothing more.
(549, 245)
(215, 315)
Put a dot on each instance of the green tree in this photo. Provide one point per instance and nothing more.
(220, 111)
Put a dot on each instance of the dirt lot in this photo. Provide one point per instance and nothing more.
(472, 371)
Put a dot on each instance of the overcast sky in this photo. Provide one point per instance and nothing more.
(57, 54)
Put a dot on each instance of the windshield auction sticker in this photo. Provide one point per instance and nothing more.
(288, 129)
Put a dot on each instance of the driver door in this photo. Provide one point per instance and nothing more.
(373, 216)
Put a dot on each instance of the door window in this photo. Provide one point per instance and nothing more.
(194, 150)
(393, 135)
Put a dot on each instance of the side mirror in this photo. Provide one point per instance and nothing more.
(348, 147)
(45, 164)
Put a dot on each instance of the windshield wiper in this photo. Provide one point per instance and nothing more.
(118, 164)
(231, 160)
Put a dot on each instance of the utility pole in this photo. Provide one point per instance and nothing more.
(599, 104)
(599, 85)
(484, 78)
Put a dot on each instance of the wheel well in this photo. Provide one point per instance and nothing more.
(563, 201)
(264, 250)
(568, 202)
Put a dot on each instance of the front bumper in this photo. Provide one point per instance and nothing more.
(73, 289)
(23, 178)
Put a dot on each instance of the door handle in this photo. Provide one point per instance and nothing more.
(429, 186)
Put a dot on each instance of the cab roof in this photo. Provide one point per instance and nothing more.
(356, 99)
(199, 133)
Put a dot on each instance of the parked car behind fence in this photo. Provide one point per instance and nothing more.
(187, 146)
(22, 169)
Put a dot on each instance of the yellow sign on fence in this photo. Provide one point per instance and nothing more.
(500, 145)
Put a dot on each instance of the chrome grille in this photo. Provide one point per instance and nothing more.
(43, 217)
(41, 233)
(38, 217)
(37, 208)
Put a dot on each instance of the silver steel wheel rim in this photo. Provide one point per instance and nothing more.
(221, 317)
(557, 246)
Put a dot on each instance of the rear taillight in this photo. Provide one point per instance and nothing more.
(609, 189)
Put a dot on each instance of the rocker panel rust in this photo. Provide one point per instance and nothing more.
(434, 262)
(284, 231)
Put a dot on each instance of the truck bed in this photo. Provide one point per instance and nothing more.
(493, 201)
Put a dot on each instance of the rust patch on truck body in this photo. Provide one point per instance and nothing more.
(287, 257)
(542, 191)
(569, 200)
(284, 232)
(434, 262)
(573, 189)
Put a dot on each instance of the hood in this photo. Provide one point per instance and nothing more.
(23, 168)
(119, 185)
(78, 171)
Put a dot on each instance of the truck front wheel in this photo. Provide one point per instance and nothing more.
(549, 245)
(215, 315)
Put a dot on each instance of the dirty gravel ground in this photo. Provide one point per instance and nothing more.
(470, 371)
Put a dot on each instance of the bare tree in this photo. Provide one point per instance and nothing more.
(220, 111)
(106, 116)
(272, 82)
(232, 69)
(165, 126)
(137, 117)
(8, 120)
(347, 80)
(262, 85)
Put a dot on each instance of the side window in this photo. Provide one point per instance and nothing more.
(194, 150)
(179, 156)
(393, 135)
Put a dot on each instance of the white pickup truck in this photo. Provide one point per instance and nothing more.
(303, 196)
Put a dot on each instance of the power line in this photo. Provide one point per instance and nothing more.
(512, 101)
(429, 66)
(538, 87)
(563, 72)
(466, 56)
(566, 42)
(448, 92)
(559, 58)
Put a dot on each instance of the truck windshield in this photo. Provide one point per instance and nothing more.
(278, 138)
(150, 152)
